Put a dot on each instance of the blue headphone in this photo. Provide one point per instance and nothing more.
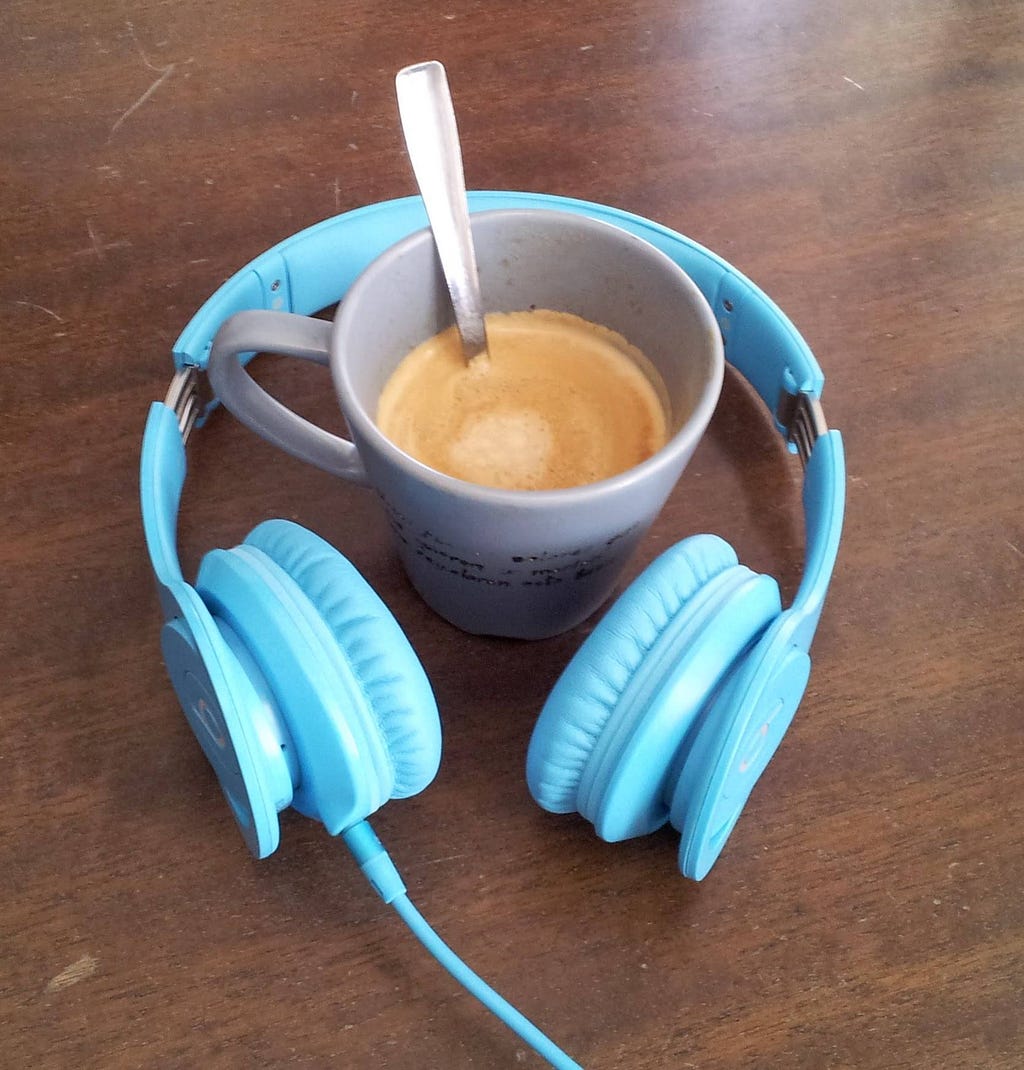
(303, 691)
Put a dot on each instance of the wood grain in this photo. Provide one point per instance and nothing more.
(862, 163)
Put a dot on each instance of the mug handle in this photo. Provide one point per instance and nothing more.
(291, 335)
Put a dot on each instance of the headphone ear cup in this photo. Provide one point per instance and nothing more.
(607, 738)
(390, 674)
(227, 705)
(735, 742)
(337, 688)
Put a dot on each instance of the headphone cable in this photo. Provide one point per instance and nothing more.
(375, 862)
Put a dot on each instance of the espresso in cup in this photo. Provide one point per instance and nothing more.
(557, 401)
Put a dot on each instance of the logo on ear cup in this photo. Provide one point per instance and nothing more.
(199, 702)
(770, 717)
(754, 743)
(205, 714)
(207, 723)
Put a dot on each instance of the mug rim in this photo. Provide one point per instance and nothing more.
(364, 426)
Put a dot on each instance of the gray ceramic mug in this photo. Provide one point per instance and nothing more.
(526, 564)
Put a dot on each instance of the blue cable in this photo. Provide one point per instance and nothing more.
(478, 987)
(378, 867)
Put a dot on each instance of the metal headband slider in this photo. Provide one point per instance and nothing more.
(803, 420)
(188, 397)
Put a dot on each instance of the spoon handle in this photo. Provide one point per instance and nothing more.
(432, 138)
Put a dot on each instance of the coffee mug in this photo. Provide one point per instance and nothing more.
(519, 563)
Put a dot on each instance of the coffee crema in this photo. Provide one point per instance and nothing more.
(556, 402)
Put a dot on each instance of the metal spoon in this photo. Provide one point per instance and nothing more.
(432, 138)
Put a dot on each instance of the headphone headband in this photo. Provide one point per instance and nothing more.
(314, 268)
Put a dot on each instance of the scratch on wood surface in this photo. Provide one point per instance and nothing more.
(99, 248)
(138, 45)
(41, 308)
(96, 246)
(167, 72)
(856, 85)
(84, 967)
(163, 72)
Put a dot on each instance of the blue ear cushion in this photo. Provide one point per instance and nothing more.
(373, 645)
(628, 779)
(582, 701)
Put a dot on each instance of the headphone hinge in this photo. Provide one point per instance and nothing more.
(803, 421)
(188, 397)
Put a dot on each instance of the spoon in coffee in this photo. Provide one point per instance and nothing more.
(432, 138)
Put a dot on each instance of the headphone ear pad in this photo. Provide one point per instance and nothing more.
(584, 699)
(372, 644)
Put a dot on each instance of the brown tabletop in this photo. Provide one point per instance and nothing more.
(862, 163)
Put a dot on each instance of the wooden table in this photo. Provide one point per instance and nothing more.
(862, 163)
